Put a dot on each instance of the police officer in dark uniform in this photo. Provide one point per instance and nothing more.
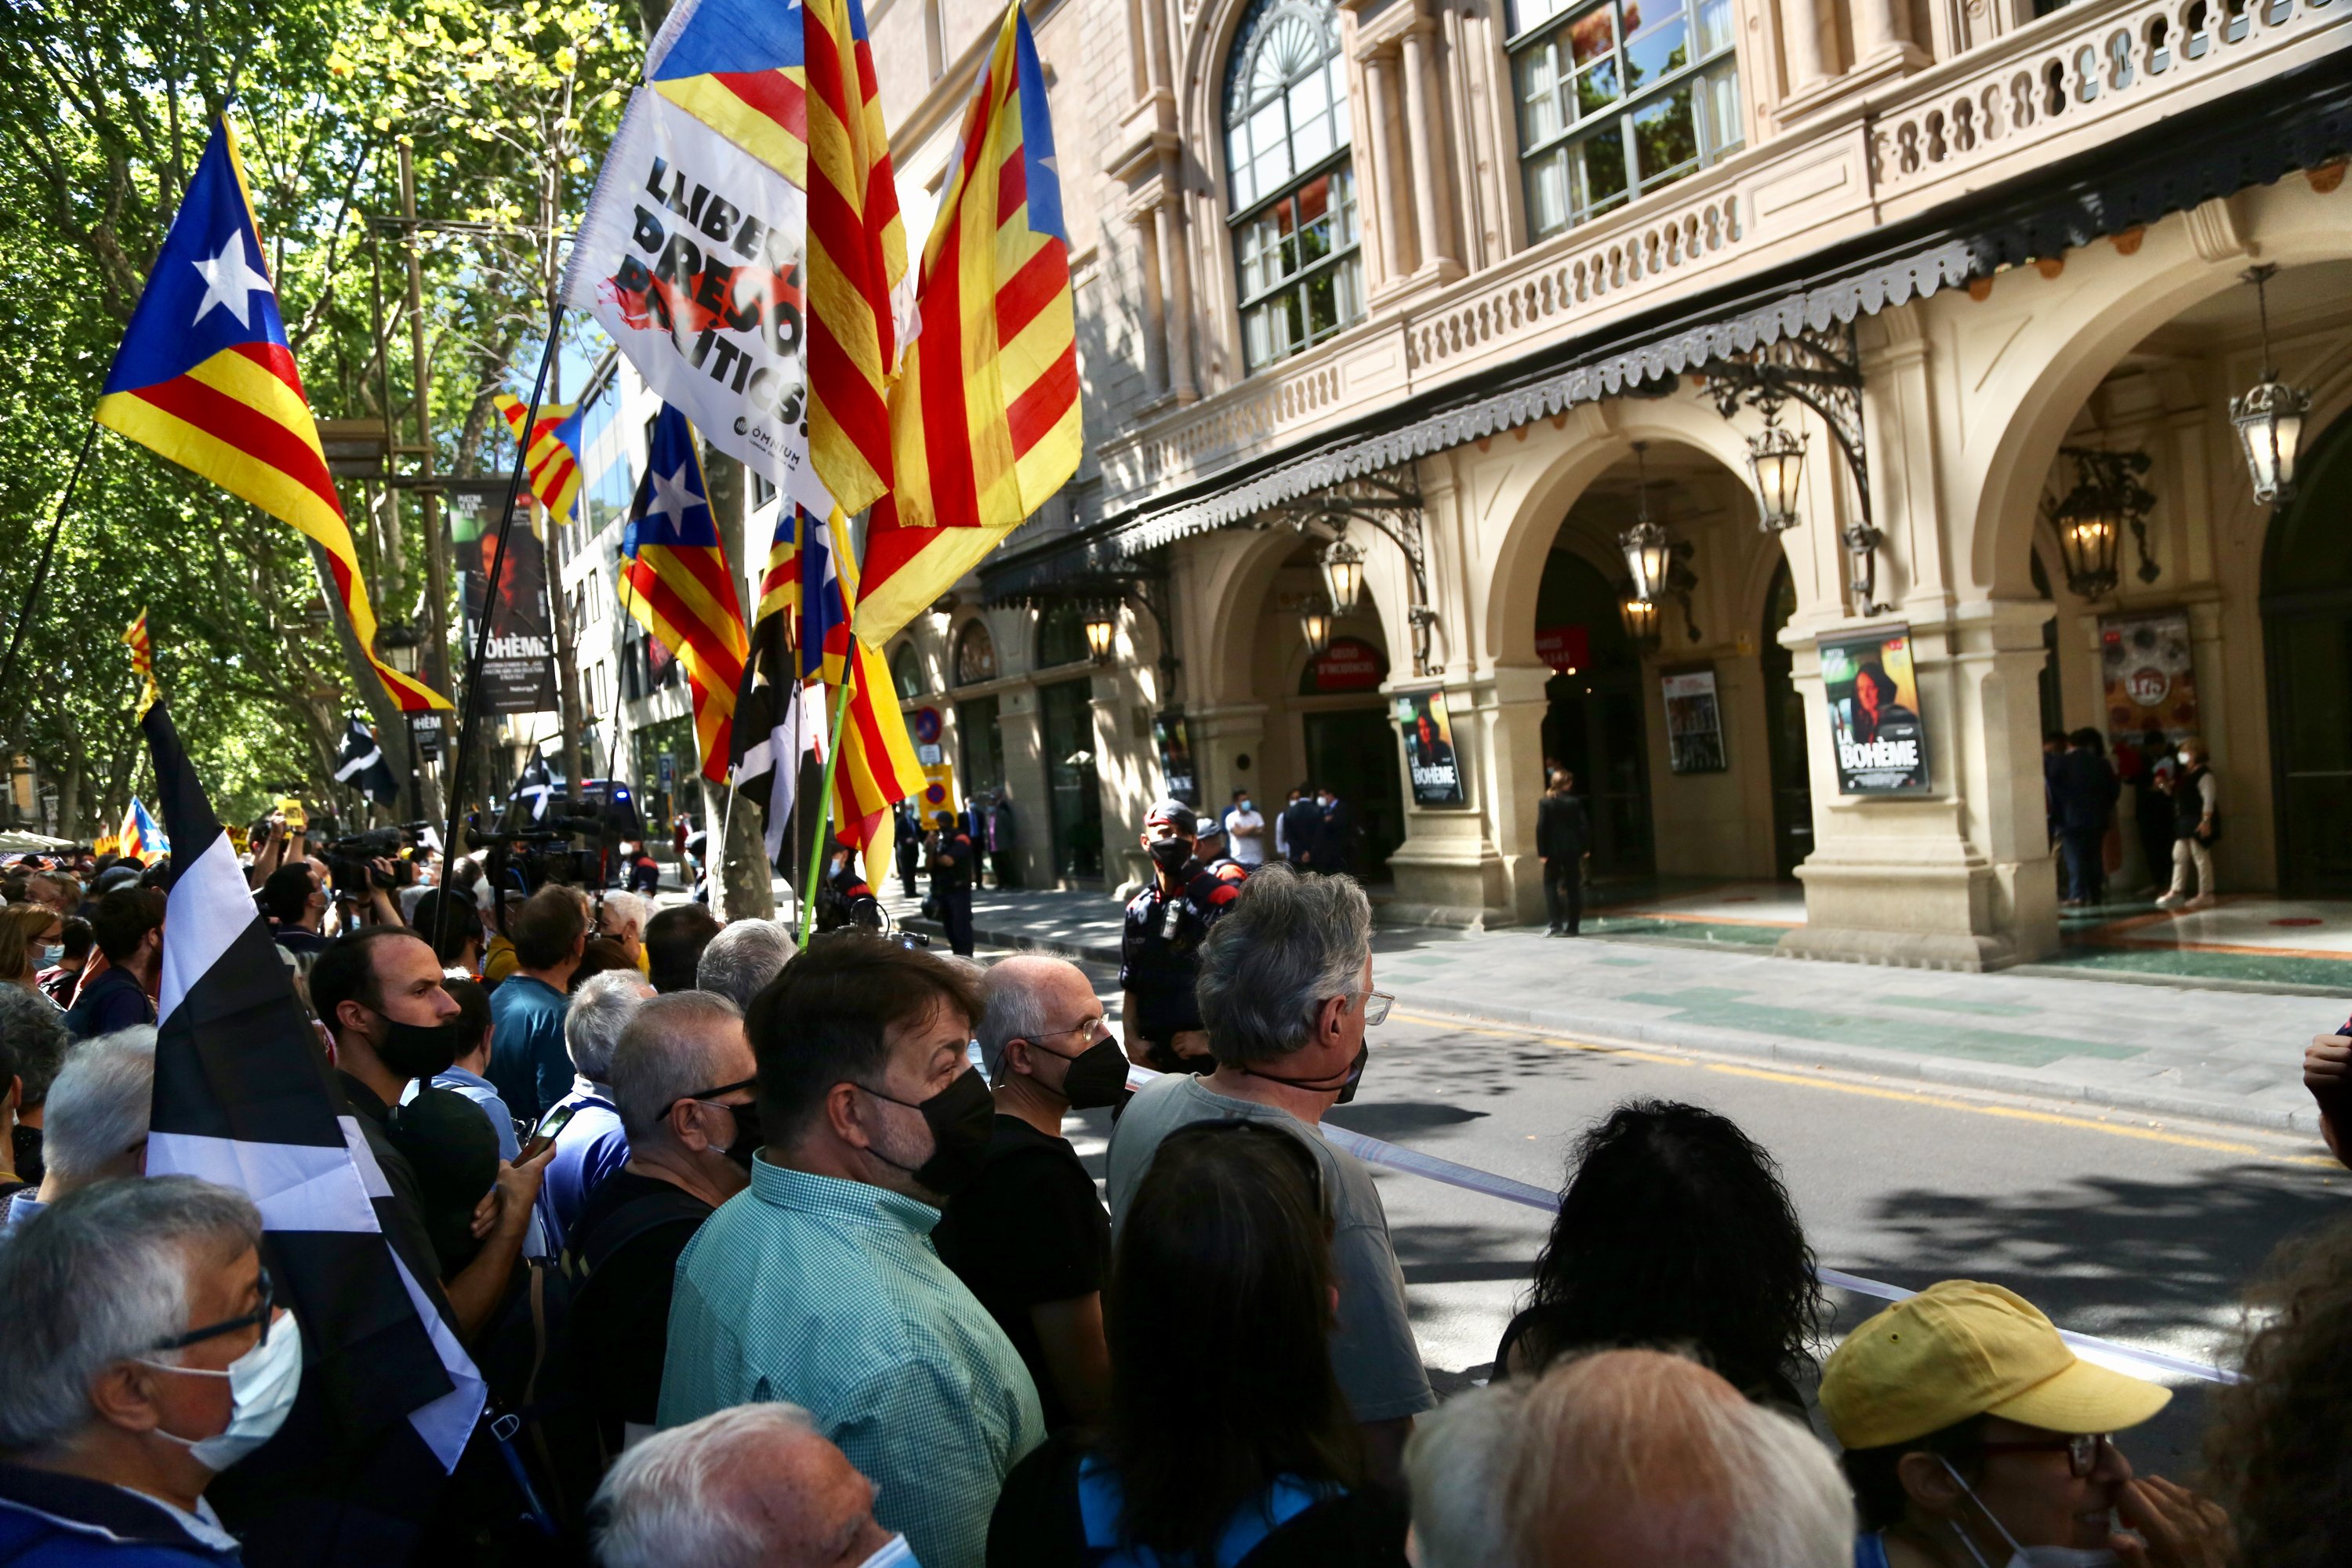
(1160, 953)
(910, 846)
(951, 869)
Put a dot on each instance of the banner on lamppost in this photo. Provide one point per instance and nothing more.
(519, 669)
(1873, 696)
(1431, 760)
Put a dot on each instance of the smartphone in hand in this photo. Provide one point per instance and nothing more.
(545, 1132)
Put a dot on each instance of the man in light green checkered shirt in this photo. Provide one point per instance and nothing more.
(819, 1285)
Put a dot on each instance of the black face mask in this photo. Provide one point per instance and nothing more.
(748, 1138)
(417, 1051)
(961, 1117)
(1098, 1075)
(1346, 1086)
(1170, 854)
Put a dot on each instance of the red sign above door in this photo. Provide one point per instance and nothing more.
(1566, 648)
(1349, 664)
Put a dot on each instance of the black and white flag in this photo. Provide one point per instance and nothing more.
(244, 1098)
(768, 736)
(363, 766)
(536, 788)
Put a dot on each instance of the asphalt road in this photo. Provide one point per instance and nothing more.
(2138, 1231)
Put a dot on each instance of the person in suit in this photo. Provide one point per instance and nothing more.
(1563, 839)
(1335, 845)
(910, 846)
(1302, 829)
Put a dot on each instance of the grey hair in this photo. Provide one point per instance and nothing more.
(743, 958)
(98, 1278)
(1013, 1010)
(1287, 945)
(627, 907)
(599, 1011)
(1455, 1464)
(35, 1033)
(665, 1054)
(671, 1499)
(98, 1106)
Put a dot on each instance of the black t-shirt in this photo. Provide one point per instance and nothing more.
(620, 1316)
(1037, 1523)
(1159, 947)
(1026, 1230)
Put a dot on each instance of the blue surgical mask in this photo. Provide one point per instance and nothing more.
(2027, 1556)
(898, 1555)
(53, 955)
(262, 1383)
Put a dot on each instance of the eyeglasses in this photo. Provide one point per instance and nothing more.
(711, 1096)
(2082, 1450)
(256, 1319)
(1087, 1028)
(1376, 1007)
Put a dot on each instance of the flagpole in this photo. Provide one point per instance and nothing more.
(728, 828)
(41, 572)
(825, 809)
(464, 749)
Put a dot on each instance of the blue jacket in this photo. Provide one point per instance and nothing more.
(529, 1065)
(49, 1520)
(115, 1000)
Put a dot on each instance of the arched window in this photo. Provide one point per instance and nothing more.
(975, 654)
(1294, 190)
(906, 673)
(1061, 635)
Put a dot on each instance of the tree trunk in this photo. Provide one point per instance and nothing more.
(745, 875)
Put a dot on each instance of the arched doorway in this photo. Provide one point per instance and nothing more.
(1784, 731)
(1593, 725)
(2307, 643)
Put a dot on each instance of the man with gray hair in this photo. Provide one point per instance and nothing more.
(682, 1077)
(1285, 990)
(585, 1124)
(98, 1117)
(33, 1033)
(143, 1356)
(752, 1486)
(743, 958)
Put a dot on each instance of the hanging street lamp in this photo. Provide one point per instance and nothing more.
(1641, 617)
(1315, 626)
(1102, 628)
(1648, 553)
(1343, 575)
(2088, 534)
(1775, 462)
(2270, 417)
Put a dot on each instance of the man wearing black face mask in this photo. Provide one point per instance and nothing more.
(379, 993)
(820, 1285)
(1028, 1236)
(1160, 950)
(683, 1078)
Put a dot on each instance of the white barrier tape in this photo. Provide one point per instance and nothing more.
(2130, 1360)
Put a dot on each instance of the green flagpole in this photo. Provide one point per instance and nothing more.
(825, 810)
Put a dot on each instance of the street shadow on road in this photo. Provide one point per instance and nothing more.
(1396, 1120)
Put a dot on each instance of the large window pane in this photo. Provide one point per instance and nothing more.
(1592, 35)
(1656, 55)
(1664, 137)
(1603, 169)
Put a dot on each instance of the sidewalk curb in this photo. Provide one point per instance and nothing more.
(1781, 1052)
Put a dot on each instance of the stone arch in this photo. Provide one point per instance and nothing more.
(1239, 584)
(2044, 379)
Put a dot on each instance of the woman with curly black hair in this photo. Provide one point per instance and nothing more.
(2276, 1451)
(1674, 1230)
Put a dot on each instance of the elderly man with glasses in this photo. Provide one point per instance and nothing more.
(1285, 990)
(1027, 1234)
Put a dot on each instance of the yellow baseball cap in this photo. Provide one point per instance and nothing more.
(1959, 1349)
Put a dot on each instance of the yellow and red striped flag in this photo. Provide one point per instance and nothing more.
(876, 767)
(984, 419)
(552, 455)
(142, 660)
(856, 257)
(206, 378)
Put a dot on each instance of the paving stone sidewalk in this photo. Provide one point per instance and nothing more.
(2224, 1056)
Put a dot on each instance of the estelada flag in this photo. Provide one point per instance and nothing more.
(676, 582)
(206, 378)
(984, 419)
(552, 455)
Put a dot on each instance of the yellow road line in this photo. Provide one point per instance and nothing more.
(1873, 1091)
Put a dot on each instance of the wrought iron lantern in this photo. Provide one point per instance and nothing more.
(1648, 553)
(1775, 462)
(1102, 628)
(2270, 417)
(1343, 575)
(2087, 538)
(403, 647)
(1315, 626)
(2090, 518)
(1640, 615)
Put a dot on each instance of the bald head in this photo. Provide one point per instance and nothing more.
(1628, 1458)
(753, 1487)
(1027, 996)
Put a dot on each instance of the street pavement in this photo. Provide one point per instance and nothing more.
(2159, 1051)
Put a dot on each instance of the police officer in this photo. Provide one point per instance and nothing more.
(1160, 953)
(909, 845)
(951, 873)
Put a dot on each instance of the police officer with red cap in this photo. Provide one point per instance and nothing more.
(1160, 952)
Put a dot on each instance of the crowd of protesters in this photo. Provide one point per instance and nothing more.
(778, 1255)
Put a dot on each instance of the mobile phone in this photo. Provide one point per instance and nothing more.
(548, 1129)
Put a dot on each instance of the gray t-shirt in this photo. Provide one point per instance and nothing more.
(1374, 1353)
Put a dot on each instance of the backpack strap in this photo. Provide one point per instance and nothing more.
(633, 1220)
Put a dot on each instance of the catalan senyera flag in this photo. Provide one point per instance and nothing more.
(857, 256)
(877, 766)
(550, 453)
(984, 420)
(142, 661)
(207, 378)
(676, 582)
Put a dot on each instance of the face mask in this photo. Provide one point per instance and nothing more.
(1097, 1076)
(748, 1138)
(1170, 854)
(961, 1117)
(1346, 1086)
(417, 1051)
(262, 1383)
(2027, 1556)
(53, 955)
(1246, 806)
(898, 1555)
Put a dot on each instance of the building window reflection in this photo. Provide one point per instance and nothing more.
(975, 654)
(1619, 99)
(1294, 212)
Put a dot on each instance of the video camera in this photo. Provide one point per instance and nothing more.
(348, 859)
(865, 916)
(545, 855)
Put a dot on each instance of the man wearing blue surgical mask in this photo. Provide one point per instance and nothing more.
(145, 1355)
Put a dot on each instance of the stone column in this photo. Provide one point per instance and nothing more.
(1155, 314)
(1387, 184)
(1876, 28)
(1801, 36)
(1176, 279)
(1423, 130)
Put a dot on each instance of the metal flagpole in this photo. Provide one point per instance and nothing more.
(825, 809)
